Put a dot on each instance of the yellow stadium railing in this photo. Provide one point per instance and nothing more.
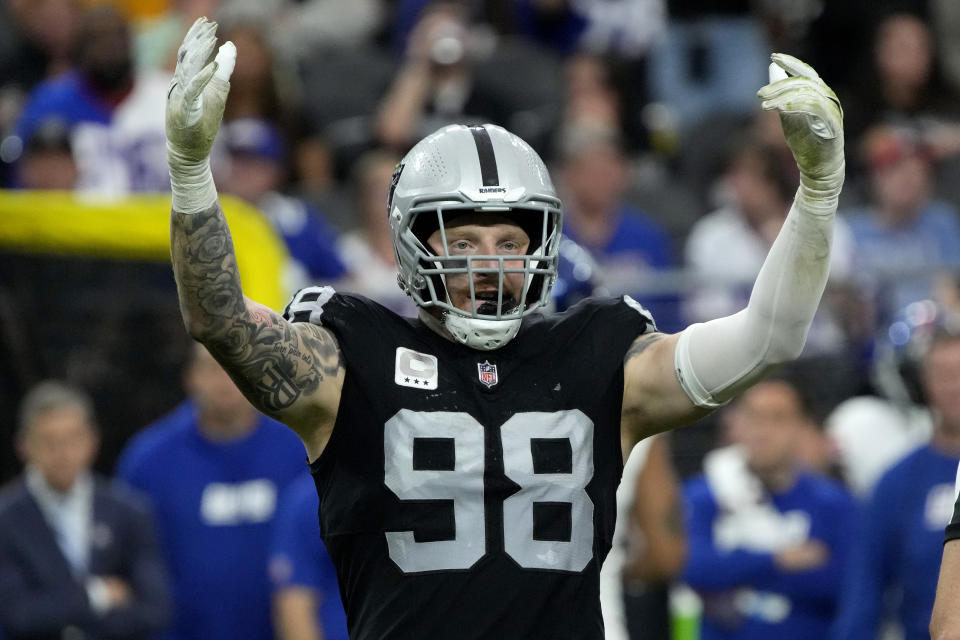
(137, 227)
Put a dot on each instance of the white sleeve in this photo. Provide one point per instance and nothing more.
(611, 573)
(716, 360)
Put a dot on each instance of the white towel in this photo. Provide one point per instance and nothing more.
(611, 574)
(747, 518)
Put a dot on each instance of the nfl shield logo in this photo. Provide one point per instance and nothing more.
(488, 373)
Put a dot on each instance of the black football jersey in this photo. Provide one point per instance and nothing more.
(470, 494)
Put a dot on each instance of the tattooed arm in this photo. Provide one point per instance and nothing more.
(291, 372)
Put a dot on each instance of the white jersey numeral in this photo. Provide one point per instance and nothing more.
(518, 435)
(560, 487)
(463, 484)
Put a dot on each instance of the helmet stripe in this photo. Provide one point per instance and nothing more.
(488, 162)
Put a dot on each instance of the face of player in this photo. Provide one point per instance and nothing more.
(483, 235)
(767, 423)
(62, 444)
(942, 380)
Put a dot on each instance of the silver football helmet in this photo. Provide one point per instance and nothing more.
(458, 170)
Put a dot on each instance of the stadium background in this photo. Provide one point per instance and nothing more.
(103, 314)
(88, 285)
(86, 291)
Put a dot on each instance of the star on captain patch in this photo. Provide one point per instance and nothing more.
(487, 373)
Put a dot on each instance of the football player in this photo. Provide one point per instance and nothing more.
(467, 459)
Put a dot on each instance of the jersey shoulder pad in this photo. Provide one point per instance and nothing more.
(307, 304)
(340, 312)
(622, 309)
(639, 308)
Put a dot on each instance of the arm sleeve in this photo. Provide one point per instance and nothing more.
(708, 568)
(718, 359)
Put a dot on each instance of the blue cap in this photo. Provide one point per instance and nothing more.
(256, 137)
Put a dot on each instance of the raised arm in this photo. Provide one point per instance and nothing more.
(670, 380)
(293, 373)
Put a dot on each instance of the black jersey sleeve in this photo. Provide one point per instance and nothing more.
(307, 304)
(644, 322)
(343, 313)
(610, 320)
(357, 322)
(953, 529)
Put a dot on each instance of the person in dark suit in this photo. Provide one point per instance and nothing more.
(78, 555)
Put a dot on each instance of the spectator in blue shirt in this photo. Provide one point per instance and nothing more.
(628, 246)
(904, 240)
(306, 598)
(768, 538)
(113, 113)
(256, 171)
(214, 469)
(901, 533)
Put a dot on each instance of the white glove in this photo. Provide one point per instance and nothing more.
(195, 101)
(812, 122)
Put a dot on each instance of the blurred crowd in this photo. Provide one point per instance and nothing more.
(674, 185)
